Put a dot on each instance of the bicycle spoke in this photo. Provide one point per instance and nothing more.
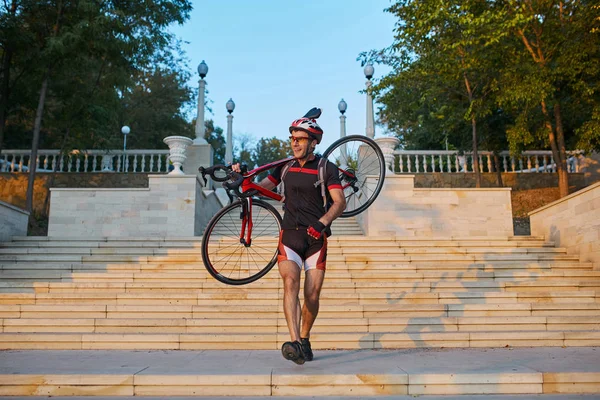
(232, 262)
(359, 160)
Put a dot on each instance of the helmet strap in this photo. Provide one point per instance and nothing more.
(307, 153)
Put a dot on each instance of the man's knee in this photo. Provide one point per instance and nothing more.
(290, 281)
(311, 298)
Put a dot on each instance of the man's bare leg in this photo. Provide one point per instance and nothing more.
(312, 291)
(290, 273)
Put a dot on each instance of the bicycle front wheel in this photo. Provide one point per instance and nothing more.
(362, 171)
(226, 253)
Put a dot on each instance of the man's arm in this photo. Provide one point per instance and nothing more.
(265, 183)
(336, 209)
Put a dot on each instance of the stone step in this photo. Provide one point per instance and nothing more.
(274, 310)
(278, 325)
(195, 256)
(273, 341)
(331, 266)
(372, 374)
(334, 244)
(44, 241)
(345, 250)
(117, 294)
(552, 396)
(141, 282)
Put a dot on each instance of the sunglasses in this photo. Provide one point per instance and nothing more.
(298, 139)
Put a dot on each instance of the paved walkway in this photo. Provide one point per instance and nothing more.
(412, 367)
(232, 362)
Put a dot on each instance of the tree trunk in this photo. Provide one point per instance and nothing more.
(4, 92)
(474, 126)
(475, 155)
(498, 170)
(558, 155)
(34, 147)
(563, 172)
(46, 208)
(5, 84)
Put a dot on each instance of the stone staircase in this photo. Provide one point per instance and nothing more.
(379, 293)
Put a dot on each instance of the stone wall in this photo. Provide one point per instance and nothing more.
(207, 205)
(590, 166)
(13, 221)
(166, 208)
(514, 181)
(572, 222)
(13, 186)
(404, 211)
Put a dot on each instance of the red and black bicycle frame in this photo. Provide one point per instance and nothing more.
(250, 188)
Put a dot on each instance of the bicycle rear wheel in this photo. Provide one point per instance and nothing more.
(231, 260)
(362, 171)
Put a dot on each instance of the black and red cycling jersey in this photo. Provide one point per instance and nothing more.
(303, 200)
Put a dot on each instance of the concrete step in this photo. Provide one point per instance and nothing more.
(357, 373)
(278, 325)
(195, 256)
(82, 310)
(117, 293)
(273, 341)
(374, 397)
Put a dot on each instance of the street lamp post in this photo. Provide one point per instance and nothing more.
(229, 148)
(200, 129)
(369, 71)
(342, 106)
(125, 131)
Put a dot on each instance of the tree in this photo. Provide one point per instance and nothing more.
(214, 135)
(524, 73)
(270, 149)
(242, 149)
(75, 52)
(444, 44)
(556, 67)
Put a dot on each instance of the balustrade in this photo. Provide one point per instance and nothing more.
(405, 161)
(147, 161)
(417, 161)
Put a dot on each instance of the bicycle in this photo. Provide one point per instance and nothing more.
(237, 245)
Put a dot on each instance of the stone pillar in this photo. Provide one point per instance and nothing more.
(229, 145)
(370, 131)
(200, 129)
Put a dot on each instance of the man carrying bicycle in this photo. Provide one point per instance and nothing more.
(306, 226)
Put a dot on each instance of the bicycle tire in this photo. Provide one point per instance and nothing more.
(223, 251)
(361, 155)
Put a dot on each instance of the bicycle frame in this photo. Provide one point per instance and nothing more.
(248, 186)
(231, 238)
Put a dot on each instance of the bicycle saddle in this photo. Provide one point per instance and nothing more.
(314, 113)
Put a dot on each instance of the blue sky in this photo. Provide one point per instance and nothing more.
(278, 58)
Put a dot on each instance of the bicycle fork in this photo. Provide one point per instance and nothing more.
(246, 217)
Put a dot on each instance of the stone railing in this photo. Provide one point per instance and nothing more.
(156, 161)
(151, 161)
(415, 161)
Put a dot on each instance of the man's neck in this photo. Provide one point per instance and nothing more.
(304, 160)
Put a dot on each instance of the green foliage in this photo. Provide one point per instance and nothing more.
(495, 62)
(242, 149)
(108, 64)
(268, 150)
(214, 135)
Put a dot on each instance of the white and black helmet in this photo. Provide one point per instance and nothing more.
(309, 124)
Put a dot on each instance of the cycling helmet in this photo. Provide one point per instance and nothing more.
(309, 124)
